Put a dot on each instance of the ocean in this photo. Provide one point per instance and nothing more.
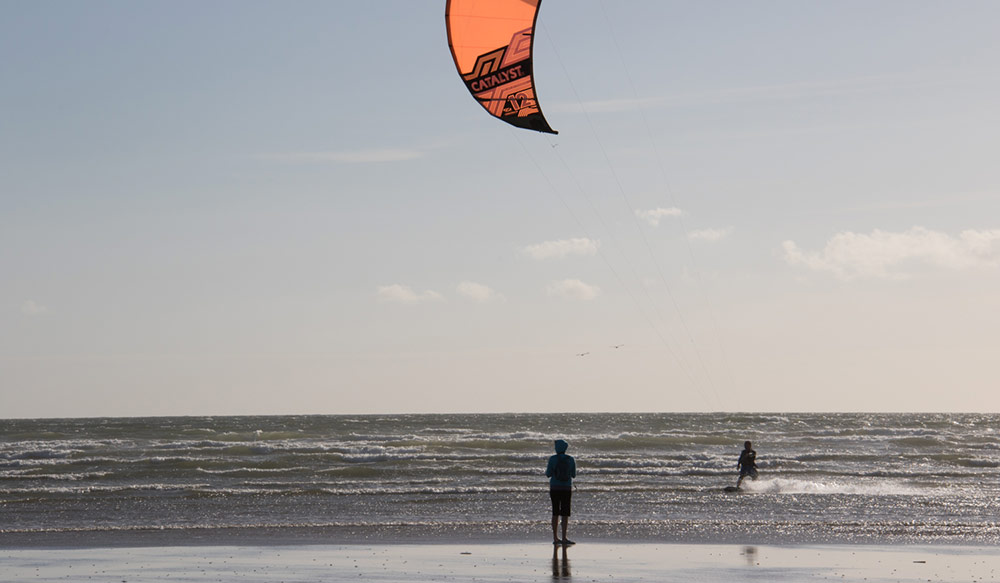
(824, 478)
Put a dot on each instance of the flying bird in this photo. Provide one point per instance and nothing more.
(583, 354)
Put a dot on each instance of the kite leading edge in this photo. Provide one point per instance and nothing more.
(491, 42)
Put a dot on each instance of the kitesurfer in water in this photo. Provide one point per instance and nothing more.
(747, 463)
(561, 471)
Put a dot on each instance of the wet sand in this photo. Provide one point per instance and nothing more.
(412, 563)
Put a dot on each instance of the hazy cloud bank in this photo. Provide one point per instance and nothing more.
(478, 292)
(654, 216)
(404, 294)
(561, 248)
(710, 235)
(573, 289)
(889, 255)
(33, 308)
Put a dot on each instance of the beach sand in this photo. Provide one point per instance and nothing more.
(411, 563)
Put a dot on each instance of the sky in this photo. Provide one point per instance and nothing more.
(245, 207)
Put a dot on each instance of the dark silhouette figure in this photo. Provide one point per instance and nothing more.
(561, 470)
(747, 463)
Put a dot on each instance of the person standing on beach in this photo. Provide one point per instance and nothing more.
(747, 464)
(561, 471)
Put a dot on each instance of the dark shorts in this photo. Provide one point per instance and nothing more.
(561, 502)
(752, 472)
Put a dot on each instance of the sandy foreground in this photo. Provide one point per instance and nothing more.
(409, 563)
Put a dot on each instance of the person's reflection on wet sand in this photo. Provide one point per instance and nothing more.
(560, 566)
(751, 554)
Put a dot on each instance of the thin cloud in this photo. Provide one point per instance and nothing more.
(813, 90)
(364, 156)
(573, 289)
(842, 87)
(654, 216)
(561, 248)
(33, 308)
(478, 292)
(944, 201)
(888, 255)
(605, 105)
(710, 235)
(404, 294)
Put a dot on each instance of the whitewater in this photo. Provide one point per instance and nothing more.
(824, 478)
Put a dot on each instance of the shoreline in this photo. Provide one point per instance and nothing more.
(663, 533)
(418, 562)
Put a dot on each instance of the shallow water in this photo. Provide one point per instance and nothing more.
(872, 478)
(502, 563)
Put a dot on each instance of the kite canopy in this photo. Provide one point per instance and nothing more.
(491, 42)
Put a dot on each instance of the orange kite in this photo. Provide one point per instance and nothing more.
(491, 42)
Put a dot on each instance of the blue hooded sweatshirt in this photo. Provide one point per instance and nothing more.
(550, 470)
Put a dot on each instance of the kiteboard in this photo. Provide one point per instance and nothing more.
(731, 489)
